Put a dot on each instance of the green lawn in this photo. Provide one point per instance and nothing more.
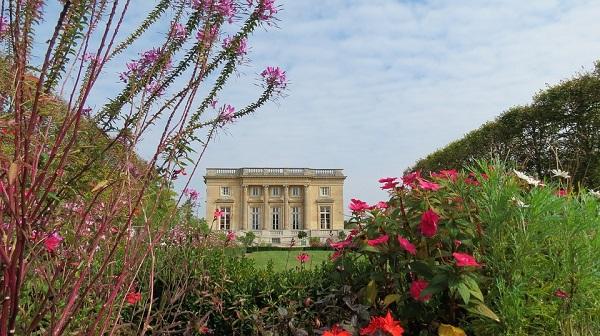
(279, 259)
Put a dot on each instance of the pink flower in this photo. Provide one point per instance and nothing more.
(178, 31)
(193, 194)
(381, 205)
(450, 174)
(559, 293)
(357, 205)
(465, 260)
(429, 221)
(242, 46)
(227, 113)
(227, 9)
(266, 10)
(561, 192)
(133, 297)
(341, 245)
(379, 240)
(218, 213)
(208, 37)
(387, 179)
(411, 178)
(389, 185)
(303, 257)
(275, 77)
(52, 241)
(427, 185)
(416, 287)
(406, 245)
(230, 235)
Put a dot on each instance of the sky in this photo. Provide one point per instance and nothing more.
(377, 84)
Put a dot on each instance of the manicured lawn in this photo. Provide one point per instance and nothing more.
(279, 258)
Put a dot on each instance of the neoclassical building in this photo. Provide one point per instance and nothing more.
(275, 203)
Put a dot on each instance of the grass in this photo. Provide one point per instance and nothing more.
(280, 259)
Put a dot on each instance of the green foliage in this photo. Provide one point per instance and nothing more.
(248, 239)
(561, 126)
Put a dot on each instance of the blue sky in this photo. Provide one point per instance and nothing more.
(377, 84)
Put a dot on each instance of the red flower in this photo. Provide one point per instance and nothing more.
(416, 287)
(357, 205)
(52, 241)
(450, 174)
(389, 185)
(378, 240)
(387, 179)
(336, 331)
(561, 192)
(406, 245)
(465, 260)
(342, 244)
(427, 185)
(230, 236)
(303, 257)
(133, 297)
(429, 221)
(559, 293)
(410, 178)
(386, 324)
(381, 205)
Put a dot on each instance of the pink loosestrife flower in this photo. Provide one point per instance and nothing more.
(266, 8)
(358, 206)
(227, 9)
(242, 47)
(465, 260)
(429, 222)
(178, 31)
(217, 214)
(52, 241)
(227, 113)
(379, 240)
(407, 245)
(416, 287)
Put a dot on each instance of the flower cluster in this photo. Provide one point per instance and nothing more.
(191, 193)
(303, 257)
(178, 31)
(137, 69)
(275, 77)
(241, 46)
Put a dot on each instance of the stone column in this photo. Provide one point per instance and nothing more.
(243, 208)
(286, 213)
(305, 225)
(266, 207)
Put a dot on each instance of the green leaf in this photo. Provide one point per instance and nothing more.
(370, 248)
(422, 268)
(391, 298)
(464, 292)
(371, 292)
(483, 310)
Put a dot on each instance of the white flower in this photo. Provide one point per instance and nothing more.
(560, 173)
(527, 178)
(595, 193)
(519, 203)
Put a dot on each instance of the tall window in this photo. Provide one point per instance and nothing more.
(296, 225)
(255, 191)
(325, 216)
(295, 192)
(324, 191)
(226, 218)
(225, 191)
(275, 191)
(275, 221)
(255, 218)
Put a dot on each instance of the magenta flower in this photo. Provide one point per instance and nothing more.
(241, 47)
(267, 9)
(561, 192)
(387, 179)
(379, 240)
(275, 77)
(341, 245)
(389, 184)
(230, 236)
(465, 260)
(193, 194)
(178, 31)
(52, 241)
(407, 245)
(559, 293)
(227, 113)
(450, 174)
(303, 257)
(358, 206)
(4, 25)
(416, 287)
(429, 221)
(208, 37)
(411, 178)
(381, 205)
(227, 9)
(427, 185)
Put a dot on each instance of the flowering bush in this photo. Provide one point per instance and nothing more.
(424, 243)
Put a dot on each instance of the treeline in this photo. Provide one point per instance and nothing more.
(559, 129)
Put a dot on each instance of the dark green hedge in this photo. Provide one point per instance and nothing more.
(562, 124)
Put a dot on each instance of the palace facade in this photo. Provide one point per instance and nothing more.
(276, 203)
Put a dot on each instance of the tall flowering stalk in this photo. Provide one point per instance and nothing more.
(79, 211)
